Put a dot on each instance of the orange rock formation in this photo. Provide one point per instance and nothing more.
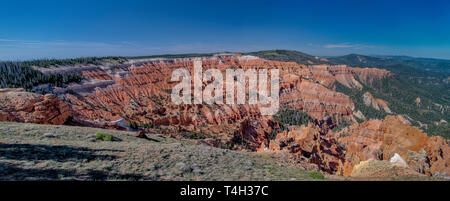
(307, 143)
(381, 139)
(20, 106)
(376, 103)
(140, 92)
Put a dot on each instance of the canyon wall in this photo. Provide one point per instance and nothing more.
(140, 92)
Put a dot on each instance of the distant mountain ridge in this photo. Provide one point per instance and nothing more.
(289, 55)
(428, 64)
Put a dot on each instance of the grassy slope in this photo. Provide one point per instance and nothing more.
(26, 155)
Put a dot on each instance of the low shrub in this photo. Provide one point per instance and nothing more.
(316, 175)
(106, 137)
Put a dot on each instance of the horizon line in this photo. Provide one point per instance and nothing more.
(219, 52)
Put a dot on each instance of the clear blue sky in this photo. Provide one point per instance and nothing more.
(59, 29)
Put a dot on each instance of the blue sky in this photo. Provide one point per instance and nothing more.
(60, 29)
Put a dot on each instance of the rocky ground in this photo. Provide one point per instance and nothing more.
(47, 152)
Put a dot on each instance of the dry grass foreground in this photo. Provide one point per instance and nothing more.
(47, 152)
